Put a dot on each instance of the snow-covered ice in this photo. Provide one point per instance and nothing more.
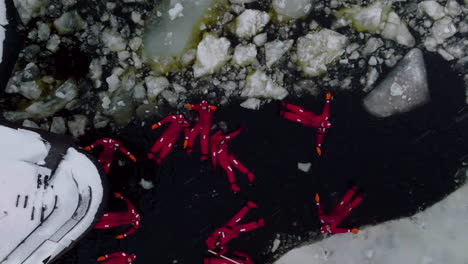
(404, 88)
(251, 103)
(317, 50)
(276, 49)
(377, 18)
(433, 9)
(436, 235)
(48, 106)
(155, 85)
(244, 54)
(28, 9)
(176, 11)
(250, 23)
(212, 54)
(260, 85)
(443, 29)
(292, 9)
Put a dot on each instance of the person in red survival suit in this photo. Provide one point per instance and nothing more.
(339, 213)
(235, 257)
(165, 143)
(309, 119)
(109, 146)
(220, 154)
(114, 219)
(220, 237)
(117, 258)
(203, 126)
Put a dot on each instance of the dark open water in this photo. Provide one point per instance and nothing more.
(404, 164)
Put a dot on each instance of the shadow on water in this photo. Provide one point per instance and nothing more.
(404, 164)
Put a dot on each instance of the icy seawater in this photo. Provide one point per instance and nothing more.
(396, 71)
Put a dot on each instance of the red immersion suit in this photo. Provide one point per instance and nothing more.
(109, 146)
(117, 258)
(309, 119)
(165, 143)
(220, 237)
(236, 256)
(114, 219)
(220, 154)
(339, 213)
(203, 126)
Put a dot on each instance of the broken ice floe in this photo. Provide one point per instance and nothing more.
(404, 88)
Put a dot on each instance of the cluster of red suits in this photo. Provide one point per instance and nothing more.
(216, 144)
(216, 147)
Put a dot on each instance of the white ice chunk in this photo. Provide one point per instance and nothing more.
(69, 22)
(53, 43)
(155, 85)
(58, 125)
(292, 8)
(176, 11)
(404, 88)
(113, 82)
(260, 39)
(244, 54)
(259, 85)
(147, 185)
(433, 9)
(251, 103)
(113, 40)
(212, 54)
(317, 50)
(250, 23)
(43, 31)
(378, 18)
(453, 8)
(443, 29)
(275, 50)
(30, 124)
(305, 167)
(28, 9)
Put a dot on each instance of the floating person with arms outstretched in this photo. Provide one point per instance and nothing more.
(117, 258)
(202, 127)
(309, 119)
(115, 219)
(339, 213)
(220, 237)
(220, 154)
(109, 147)
(166, 142)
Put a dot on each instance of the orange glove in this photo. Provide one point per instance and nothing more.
(319, 151)
(117, 195)
(189, 106)
(119, 237)
(317, 198)
(213, 107)
(101, 258)
(87, 148)
(132, 157)
(153, 127)
(328, 96)
(185, 143)
(355, 230)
